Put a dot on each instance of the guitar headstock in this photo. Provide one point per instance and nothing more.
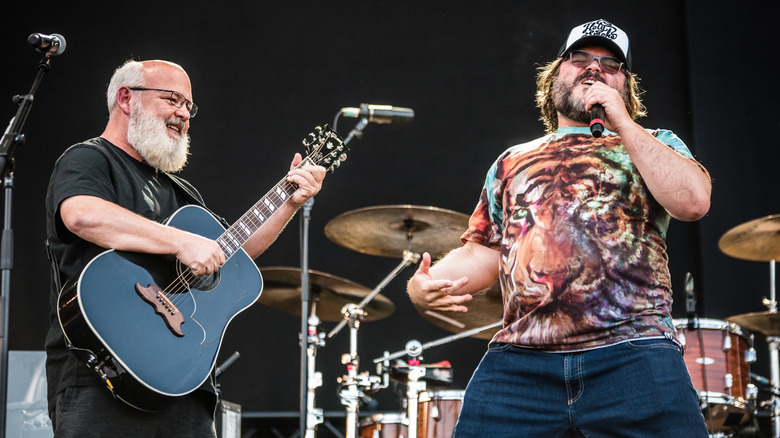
(325, 148)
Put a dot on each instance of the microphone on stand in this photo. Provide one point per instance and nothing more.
(53, 44)
(380, 113)
(690, 301)
(597, 116)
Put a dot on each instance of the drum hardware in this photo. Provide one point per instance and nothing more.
(329, 296)
(757, 240)
(314, 340)
(329, 293)
(416, 384)
(390, 230)
(355, 382)
(717, 355)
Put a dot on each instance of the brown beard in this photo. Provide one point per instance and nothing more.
(569, 106)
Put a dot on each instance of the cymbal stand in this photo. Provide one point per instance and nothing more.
(414, 385)
(409, 258)
(353, 381)
(774, 357)
(314, 415)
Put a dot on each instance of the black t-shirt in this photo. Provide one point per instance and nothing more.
(97, 168)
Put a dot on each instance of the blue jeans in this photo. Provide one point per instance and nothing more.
(640, 388)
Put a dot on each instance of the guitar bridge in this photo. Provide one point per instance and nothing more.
(163, 306)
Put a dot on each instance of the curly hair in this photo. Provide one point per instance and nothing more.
(544, 99)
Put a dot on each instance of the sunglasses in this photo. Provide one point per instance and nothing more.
(607, 64)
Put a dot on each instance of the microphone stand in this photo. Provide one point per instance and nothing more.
(305, 297)
(310, 416)
(13, 137)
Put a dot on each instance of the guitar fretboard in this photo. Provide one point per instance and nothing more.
(236, 236)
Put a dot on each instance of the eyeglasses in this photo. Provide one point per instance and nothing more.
(177, 99)
(608, 64)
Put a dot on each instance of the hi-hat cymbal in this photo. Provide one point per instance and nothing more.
(282, 291)
(486, 308)
(765, 323)
(756, 240)
(389, 230)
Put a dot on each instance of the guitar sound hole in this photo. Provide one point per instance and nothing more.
(203, 283)
(206, 282)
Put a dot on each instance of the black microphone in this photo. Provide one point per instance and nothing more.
(690, 300)
(380, 113)
(54, 43)
(597, 117)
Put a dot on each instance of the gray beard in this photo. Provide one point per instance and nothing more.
(149, 136)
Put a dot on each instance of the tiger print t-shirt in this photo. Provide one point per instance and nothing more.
(583, 260)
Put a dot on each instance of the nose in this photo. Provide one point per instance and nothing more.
(596, 67)
(182, 113)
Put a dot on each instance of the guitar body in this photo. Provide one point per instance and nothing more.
(144, 360)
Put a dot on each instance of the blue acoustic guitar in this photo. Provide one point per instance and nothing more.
(151, 329)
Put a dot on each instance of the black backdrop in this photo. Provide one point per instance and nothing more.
(265, 73)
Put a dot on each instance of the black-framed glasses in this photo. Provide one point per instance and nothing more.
(177, 99)
(581, 58)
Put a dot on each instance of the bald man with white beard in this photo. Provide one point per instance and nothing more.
(114, 192)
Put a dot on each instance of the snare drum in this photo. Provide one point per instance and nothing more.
(384, 426)
(438, 412)
(717, 357)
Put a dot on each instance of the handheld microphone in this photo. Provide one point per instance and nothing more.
(597, 117)
(380, 113)
(53, 44)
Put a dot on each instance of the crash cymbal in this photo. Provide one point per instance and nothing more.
(282, 291)
(486, 308)
(756, 240)
(765, 323)
(388, 230)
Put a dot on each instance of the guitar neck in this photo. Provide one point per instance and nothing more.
(236, 236)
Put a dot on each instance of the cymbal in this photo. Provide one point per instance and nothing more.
(756, 240)
(388, 230)
(486, 308)
(282, 291)
(765, 323)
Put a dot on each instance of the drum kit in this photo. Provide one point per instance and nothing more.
(718, 353)
(397, 231)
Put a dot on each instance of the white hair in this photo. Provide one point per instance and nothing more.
(129, 74)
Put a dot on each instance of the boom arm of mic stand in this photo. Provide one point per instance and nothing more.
(357, 131)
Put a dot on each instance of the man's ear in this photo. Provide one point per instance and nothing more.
(123, 96)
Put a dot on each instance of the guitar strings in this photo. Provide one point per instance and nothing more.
(186, 277)
(182, 283)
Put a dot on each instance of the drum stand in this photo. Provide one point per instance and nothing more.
(314, 339)
(353, 381)
(774, 356)
(416, 386)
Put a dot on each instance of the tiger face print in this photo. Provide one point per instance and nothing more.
(581, 239)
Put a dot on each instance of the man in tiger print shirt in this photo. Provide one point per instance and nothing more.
(573, 226)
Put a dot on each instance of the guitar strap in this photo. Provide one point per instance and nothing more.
(55, 267)
(194, 198)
